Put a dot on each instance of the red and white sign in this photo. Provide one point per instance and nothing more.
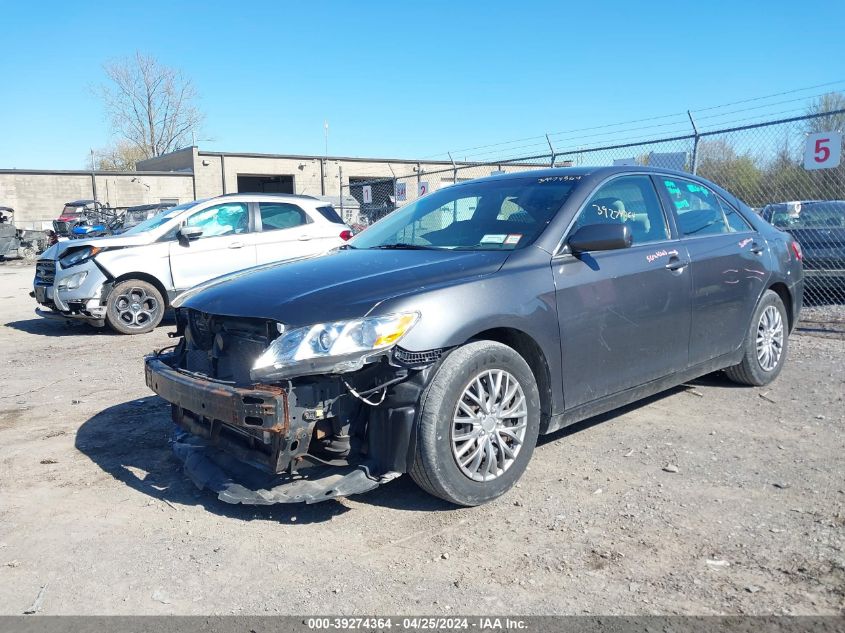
(823, 150)
(423, 189)
(367, 192)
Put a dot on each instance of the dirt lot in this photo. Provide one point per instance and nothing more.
(94, 509)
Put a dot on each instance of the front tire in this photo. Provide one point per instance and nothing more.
(478, 424)
(765, 344)
(134, 307)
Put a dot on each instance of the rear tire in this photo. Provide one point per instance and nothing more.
(765, 345)
(478, 424)
(134, 307)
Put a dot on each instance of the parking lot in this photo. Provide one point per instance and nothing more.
(708, 499)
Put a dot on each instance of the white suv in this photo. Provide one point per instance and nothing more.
(129, 280)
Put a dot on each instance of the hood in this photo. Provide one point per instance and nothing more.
(342, 285)
(107, 241)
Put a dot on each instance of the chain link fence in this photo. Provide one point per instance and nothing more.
(763, 164)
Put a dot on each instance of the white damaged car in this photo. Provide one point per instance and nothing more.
(128, 281)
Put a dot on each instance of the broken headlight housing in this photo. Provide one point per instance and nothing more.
(78, 255)
(332, 348)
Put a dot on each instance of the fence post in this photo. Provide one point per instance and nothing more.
(340, 187)
(454, 169)
(551, 147)
(694, 143)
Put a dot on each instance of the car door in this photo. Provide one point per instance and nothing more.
(284, 232)
(223, 247)
(726, 265)
(624, 314)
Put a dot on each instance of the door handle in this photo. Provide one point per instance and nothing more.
(304, 238)
(677, 264)
(757, 249)
(236, 245)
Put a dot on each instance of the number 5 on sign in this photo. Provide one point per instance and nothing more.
(823, 150)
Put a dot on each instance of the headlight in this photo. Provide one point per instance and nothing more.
(72, 282)
(337, 348)
(78, 255)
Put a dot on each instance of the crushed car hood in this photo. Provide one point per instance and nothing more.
(108, 241)
(342, 285)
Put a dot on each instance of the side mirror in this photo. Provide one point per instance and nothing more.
(600, 237)
(188, 234)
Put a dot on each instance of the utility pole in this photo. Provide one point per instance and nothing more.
(340, 187)
(93, 176)
(326, 129)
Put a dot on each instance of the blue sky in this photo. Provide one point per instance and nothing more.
(398, 79)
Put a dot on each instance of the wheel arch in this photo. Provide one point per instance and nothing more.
(782, 290)
(150, 279)
(525, 345)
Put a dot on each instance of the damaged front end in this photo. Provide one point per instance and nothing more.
(269, 436)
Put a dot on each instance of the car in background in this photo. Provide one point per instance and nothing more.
(444, 338)
(132, 216)
(819, 227)
(76, 213)
(116, 220)
(23, 243)
(127, 281)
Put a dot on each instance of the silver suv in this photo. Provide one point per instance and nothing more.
(128, 281)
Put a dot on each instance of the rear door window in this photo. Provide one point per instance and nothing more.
(280, 215)
(700, 211)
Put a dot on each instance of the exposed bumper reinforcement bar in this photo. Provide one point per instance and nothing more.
(263, 407)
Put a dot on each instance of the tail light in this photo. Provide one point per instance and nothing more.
(796, 248)
(346, 235)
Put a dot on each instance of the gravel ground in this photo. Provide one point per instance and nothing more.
(704, 500)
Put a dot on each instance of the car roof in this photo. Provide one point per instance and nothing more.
(79, 203)
(550, 172)
(270, 196)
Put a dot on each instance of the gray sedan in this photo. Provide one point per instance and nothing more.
(444, 338)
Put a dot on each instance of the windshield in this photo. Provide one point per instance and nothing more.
(70, 211)
(503, 214)
(809, 215)
(157, 220)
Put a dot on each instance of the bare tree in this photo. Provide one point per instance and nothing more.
(833, 102)
(152, 107)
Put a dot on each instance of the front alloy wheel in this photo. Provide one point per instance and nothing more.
(478, 424)
(134, 307)
(488, 428)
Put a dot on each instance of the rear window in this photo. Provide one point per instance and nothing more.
(808, 215)
(330, 214)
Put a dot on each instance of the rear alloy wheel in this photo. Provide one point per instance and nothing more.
(765, 344)
(134, 307)
(478, 424)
